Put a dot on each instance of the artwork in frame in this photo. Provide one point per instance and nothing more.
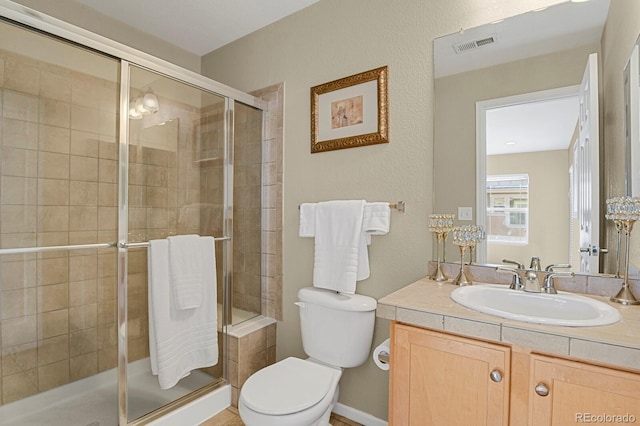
(350, 112)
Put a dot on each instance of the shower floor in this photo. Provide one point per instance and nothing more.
(93, 401)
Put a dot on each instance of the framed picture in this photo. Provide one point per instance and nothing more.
(350, 112)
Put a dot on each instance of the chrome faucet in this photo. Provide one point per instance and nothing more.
(533, 279)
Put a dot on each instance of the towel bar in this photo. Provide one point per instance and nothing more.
(399, 206)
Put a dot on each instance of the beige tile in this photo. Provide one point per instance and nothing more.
(53, 165)
(55, 86)
(621, 356)
(423, 319)
(53, 297)
(19, 134)
(19, 190)
(536, 340)
(53, 350)
(83, 267)
(83, 317)
(54, 113)
(107, 358)
(107, 218)
(21, 76)
(53, 271)
(472, 328)
(107, 266)
(18, 218)
(53, 192)
(18, 275)
(16, 359)
(82, 342)
(18, 386)
(83, 168)
(19, 162)
(20, 106)
(108, 195)
(53, 323)
(603, 286)
(85, 119)
(18, 303)
(85, 144)
(54, 139)
(18, 331)
(83, 193)
(83, 218)
(83, 365)
(107, 336)
(53, 218)
(108, 171)
(83, 292)
(53, 375)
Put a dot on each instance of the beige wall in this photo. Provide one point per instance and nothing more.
(548, 206)
(330, 40)
(620, 33)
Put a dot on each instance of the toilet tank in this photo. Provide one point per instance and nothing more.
(337, 329)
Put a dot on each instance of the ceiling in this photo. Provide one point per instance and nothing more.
(198, 26)
(540, 126)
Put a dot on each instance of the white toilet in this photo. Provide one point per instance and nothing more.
(337, 331)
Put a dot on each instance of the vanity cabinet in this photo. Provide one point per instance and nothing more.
(563, 392)
(440, 379)
(437, 378)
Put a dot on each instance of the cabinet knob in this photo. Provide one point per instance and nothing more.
(542, 389)
(496, 376)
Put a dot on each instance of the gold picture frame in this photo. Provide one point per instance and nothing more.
(350, 112)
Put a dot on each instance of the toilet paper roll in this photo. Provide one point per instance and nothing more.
(381, 355)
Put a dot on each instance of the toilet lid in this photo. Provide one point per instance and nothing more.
(288, 386)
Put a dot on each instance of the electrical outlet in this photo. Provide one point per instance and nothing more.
(465, 213)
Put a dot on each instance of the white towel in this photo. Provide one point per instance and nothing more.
(180, 340)
(307, 220)
(185, 265)
(375, 221)
(338, 236)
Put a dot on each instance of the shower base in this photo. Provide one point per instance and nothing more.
(93, 401)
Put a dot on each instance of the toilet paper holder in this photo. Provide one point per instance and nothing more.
(383, 357)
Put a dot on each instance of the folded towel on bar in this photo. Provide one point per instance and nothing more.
(338, 236)
(185, 265)
(180, 340)
(375, 221)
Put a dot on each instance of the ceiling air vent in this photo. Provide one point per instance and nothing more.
(466, 46)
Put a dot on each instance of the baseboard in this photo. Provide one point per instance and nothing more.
(358, 416)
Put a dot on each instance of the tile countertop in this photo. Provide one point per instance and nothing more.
(426, 303)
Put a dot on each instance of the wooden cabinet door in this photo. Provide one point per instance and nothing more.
(440, 379)
(579, 393)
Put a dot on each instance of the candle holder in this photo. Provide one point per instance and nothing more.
(463, 237)
(441, 225)
(477, 235)
(624, 211)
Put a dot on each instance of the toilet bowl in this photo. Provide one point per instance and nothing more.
(292, 392)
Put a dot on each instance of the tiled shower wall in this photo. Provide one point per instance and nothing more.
(59, 186)
(58, 166)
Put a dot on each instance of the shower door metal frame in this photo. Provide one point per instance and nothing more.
(127, 56)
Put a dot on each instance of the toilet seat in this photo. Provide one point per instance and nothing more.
(289, 386)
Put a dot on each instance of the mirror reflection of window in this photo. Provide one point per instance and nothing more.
(508, 209)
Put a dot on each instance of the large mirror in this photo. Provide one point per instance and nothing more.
(516, 133)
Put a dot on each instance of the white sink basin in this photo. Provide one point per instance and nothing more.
(564, 309)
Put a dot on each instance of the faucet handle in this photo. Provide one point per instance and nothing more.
(548, 285)
(516, 282)
(513, 262)
(535, 263)
(550, 268)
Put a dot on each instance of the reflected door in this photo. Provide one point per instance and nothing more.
(588, 169)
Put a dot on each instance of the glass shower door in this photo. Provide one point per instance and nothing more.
(58, 224)
(177, 155)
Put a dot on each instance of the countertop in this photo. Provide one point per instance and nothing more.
(426, 303)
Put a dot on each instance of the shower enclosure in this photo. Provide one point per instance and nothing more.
(103, 148)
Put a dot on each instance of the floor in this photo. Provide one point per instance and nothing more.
(230, 417)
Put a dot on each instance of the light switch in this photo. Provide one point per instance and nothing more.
(465, 213)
